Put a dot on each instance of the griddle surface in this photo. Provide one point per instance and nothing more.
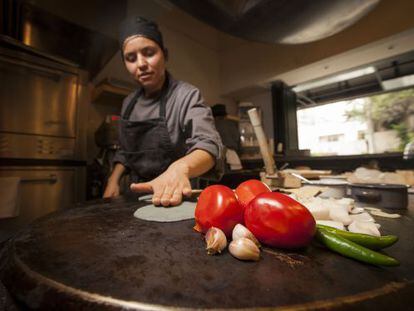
(99, 256)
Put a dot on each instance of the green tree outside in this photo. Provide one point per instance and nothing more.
(389, 111)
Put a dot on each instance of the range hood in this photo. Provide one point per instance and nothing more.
(56, 36)
(278, 21)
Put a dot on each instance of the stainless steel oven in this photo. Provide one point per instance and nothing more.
(42, 190)
(40, 111)
(43, 107)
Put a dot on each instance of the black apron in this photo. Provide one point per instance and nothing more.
(146, 145)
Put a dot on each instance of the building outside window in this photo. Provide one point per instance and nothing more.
(367, 125)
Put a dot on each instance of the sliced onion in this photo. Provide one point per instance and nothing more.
(331, 223)
(365, 217)
(385, 215)
(364, 227)
(372, 208)
(357, 210)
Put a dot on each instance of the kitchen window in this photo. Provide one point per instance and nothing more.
(366, 125)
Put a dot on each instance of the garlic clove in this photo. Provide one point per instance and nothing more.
(244, 249)
(216, 240)
(241, 231)
(366, 227)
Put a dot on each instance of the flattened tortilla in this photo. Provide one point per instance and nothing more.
(151, 212)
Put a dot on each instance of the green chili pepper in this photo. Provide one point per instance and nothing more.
(370, 241)
(350, 249)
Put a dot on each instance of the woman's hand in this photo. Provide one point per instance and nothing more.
(168, 188)
(111, 190)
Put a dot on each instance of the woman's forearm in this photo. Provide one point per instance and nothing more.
(112, 188)
(117, 172)
(195, 163)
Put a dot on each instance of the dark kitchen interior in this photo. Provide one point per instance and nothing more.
(62, 85)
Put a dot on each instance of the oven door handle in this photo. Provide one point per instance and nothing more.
(50, 179)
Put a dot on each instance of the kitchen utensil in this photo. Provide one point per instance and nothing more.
(307, 181)
(331, 188)
(261, 138)
(309, 173)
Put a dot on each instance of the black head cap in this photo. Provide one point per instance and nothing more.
(139, 26)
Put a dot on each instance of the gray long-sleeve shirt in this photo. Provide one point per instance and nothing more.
(190, 122)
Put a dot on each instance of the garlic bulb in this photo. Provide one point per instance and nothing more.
(216, 241)
(241, 231)
(244, 249)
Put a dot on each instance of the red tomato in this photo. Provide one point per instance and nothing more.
(217, 206)
(248, 190)
(278, 220)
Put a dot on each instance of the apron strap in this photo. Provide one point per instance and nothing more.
(138, 93)
(131, 105)
(163, 97)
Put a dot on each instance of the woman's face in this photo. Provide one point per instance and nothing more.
(145, 61)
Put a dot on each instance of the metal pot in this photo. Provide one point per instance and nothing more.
(380, 195)
(335, 187)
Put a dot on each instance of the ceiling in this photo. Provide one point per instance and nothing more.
(278, 21)
(369, 84)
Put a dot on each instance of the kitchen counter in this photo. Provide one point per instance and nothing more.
(340, 163)
(99, 257)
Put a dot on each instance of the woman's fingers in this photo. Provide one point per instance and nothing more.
(168, 188)
(176, 198)
(187, 191)
(173, 195)
(158, 193)
(145, 187)
(166, 195)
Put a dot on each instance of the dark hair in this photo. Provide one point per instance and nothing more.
(139, 26)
